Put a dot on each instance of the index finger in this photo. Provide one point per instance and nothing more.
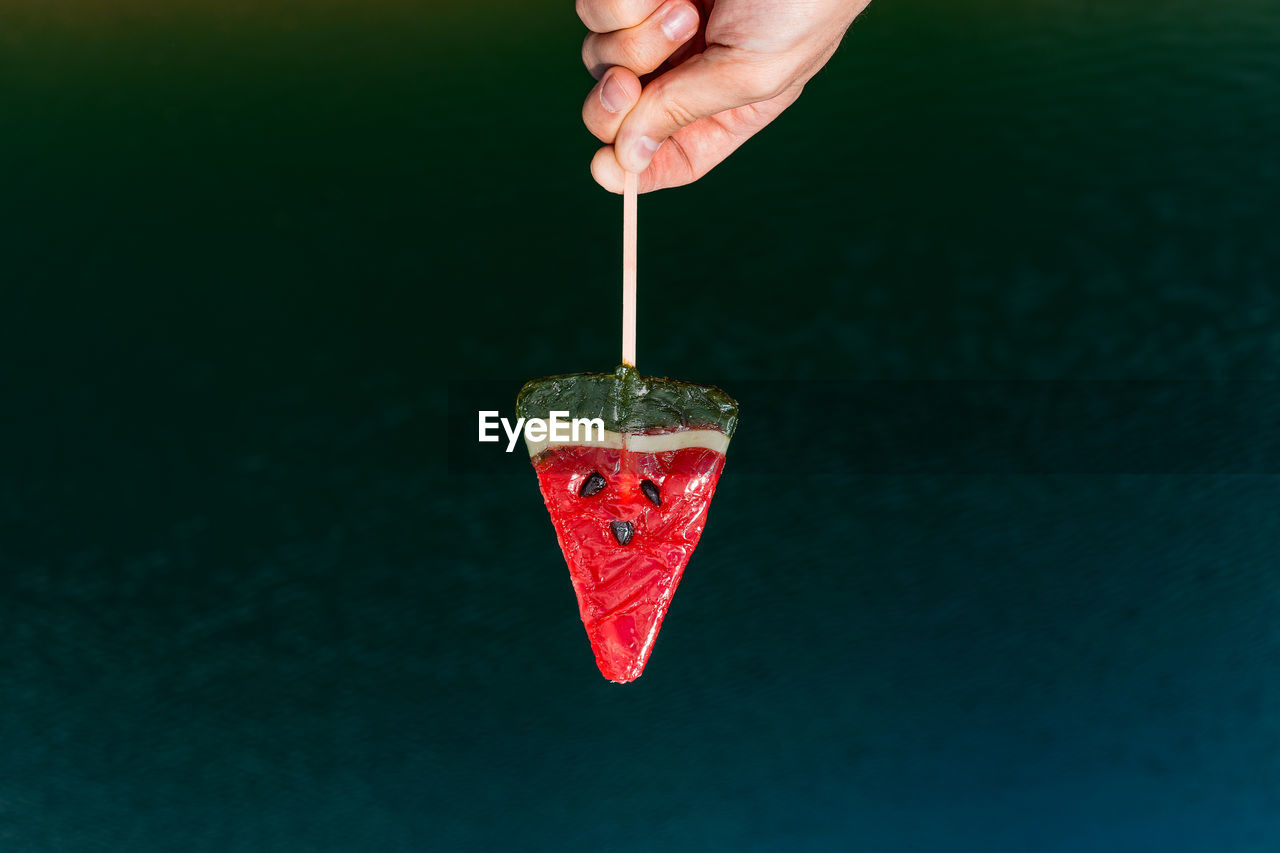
(606, 16)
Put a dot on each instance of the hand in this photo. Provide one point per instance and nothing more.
(722, 70)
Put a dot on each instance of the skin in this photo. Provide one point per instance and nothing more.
(715, 72)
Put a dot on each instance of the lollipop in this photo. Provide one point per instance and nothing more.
(628, 502)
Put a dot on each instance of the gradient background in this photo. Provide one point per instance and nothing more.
(249, 600)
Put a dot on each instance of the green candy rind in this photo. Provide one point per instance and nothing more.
(629, 402)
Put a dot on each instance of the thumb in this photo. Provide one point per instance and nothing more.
(701, 86)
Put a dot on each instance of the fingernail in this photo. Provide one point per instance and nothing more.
(680, 23)
(614, 96)
(643, 151)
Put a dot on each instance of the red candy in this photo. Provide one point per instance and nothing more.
(624, 590)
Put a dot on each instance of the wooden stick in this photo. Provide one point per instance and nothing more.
(629, 269)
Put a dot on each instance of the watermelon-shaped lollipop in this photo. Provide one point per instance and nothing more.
(629, 503)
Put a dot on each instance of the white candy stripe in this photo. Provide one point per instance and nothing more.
(711, 439)
(611, 439)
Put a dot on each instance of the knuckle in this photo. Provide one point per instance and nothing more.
(677, 114)
(618, 11)
(605, 15)
(633, 54)
(760, 84)
(638, 10)
(671, 107)
(629, 13)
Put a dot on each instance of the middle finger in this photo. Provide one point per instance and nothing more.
(647, 45)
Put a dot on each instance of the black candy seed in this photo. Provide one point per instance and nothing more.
(622, 531)
(592, 485)
(651, 492)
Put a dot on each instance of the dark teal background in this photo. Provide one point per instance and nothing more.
(249, 600)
